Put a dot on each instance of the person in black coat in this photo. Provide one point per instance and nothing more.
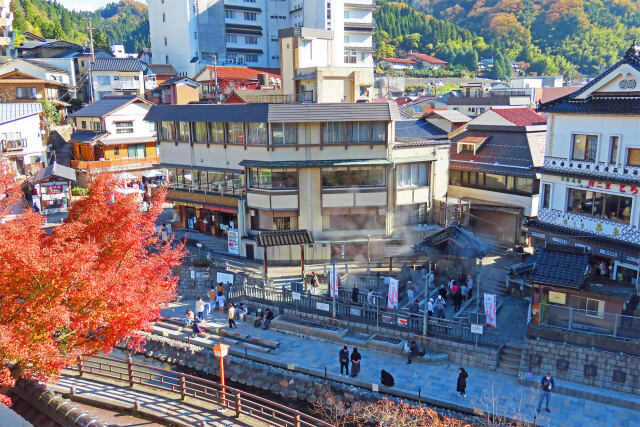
(457, 300)
(461, 387)
(344, 360)
(386, 378)
(354, 293)
(355, 362)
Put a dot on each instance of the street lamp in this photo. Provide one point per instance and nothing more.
(368, 254)
(425, 318)
(221, 350)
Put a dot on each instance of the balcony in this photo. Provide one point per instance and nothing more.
(595, 169)
(116, 165)
(9, 145)
(588, 224)
(212, 189)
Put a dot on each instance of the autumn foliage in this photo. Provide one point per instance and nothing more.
(84, 286)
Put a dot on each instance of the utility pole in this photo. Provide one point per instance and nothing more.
(90, 29)
(425, 318)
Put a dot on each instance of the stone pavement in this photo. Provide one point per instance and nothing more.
(487, 390)
(163, 408)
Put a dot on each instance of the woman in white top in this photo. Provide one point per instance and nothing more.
(200, 308)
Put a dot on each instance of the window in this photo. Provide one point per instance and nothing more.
(250, 16)
(251, 57)
(96, 126)
(251, 39)
(354, 132)
(195, 35)
(613, 149)
(26, 92)
(585, 147)
(412, 175)
(602, 205)
(183, 131)
(257, 133)
(200, 132)
(524, 185)
(369, 176)
(587, 306)
(103, 80)
(346, 14)
(164, 18)
(166, 59)
(217, 131)
(411, 214)
(350, 57)
(230, 14)
(353, 218)
(273, 179)
(166, 131)
(124, 127)
(165, 41)
(455, 177)
(284, 133)
(235, 133)
(116, 151)
(633, 156)
(136, 150)
(334, 133)
(347, 39)
(84, 124)
(492, 182)
(379, 132)
(546, 195)
(495, 182)
(231, 38)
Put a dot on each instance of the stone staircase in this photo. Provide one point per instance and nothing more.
(510, 356)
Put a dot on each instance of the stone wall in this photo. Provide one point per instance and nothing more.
(582, 339)
(583, 365)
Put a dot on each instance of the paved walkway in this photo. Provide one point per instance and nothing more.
(487, 390)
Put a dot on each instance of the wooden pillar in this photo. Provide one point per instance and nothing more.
(265, 263)
(390, 265)
(302, 266)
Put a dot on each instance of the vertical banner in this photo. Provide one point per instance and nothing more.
(232, 241)
(392, 297)
(490, 309)
(333, 281)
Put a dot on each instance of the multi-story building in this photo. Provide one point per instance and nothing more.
(590, 184)
(116, 76)
(335, 170)
(7, 51)
(111, 135)
(19, 87)
(21, 136)
(189, 34)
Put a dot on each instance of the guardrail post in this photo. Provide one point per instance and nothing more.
(183, 387)
(570, 318)
(238, 405)
(130, 370)
(615, 325)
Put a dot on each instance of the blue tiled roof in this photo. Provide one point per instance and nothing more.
(555, 265)
(103, 106)
(16, 110)
(418, 129)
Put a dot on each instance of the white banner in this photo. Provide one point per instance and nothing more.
(224, 278)
(333, 281)
(232, 241)
(392, 297)
(490, 309)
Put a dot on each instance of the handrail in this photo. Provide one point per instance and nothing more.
(201, 389)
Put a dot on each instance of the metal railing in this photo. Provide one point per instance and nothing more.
(200, 389)
(206, 188)
(589, 321)
(115, 164)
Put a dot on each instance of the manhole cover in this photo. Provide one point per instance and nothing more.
(386, 339)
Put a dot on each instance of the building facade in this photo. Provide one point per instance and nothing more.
(332, 169)
(21, 136)
(590, 184)
(189, 34)
(116, 76)
(7, 51)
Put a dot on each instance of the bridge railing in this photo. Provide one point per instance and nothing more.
(203, 390)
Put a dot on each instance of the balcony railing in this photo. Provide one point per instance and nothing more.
(590, 224)
(600, 169)
(214, 189)
(589, 321)
(13, 144)
(115, 165)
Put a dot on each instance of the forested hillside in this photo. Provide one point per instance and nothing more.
(124, 23)
(548, 36)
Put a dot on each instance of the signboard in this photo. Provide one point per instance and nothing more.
(232, 241)
(295, 296)
(224, 278)
(392, 296)
(476, 329)
(333, 281)
(54, 188)
(322, 306)
(191, 205)
(536, 234)
(355, 311)
(202, 274)
(490, 309)
(618, 188)
(220, 350)
(402, 321)
(557, 297)
(386, 318)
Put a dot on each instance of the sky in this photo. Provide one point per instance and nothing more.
(86, 4)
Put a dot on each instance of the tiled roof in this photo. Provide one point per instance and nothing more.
(57, 170)
(520, 116)
(104, 106)
(45, 65)
(117, 64)
(87, 135)
(180, 79)
(548, 94)
(453, 240)
(427, 58)
(418, 129)
(242, 73)
(479, 100)
(163, 69)
(555, 265)
(17, 110)
(284, 238)
(452, 115)
(399, 60)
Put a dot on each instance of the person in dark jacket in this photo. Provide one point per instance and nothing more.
(354, 293)
(355, 362)
(457, 300)
(268, 318)
(461, 386)
(443, 292)
(413, 351)
(546, 385)
(344, 360)
(386, 378)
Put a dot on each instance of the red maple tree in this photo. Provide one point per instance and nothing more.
(84, 286)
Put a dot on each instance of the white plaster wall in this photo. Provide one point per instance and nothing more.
(496, 197)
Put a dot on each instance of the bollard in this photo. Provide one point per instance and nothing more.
(136, 405)
(245, 355)
(325, 372)
(419, 395)
(72, 391)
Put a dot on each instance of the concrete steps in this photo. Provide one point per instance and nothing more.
(510, 355)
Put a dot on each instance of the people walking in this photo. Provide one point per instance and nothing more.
(231, 313)
(442, 292)
(410, 293)
(220, 298)
(440, 307)
(315, 283)
(464, 290)
(430, 307)
(355, 362)
(343, 356)
(370, 296)
(546, 385)
(200, 308)
(470, 285)
(413, 352)
(355, 292)
(461, 386)
(268, 318)
(457, 300)
(386, 378)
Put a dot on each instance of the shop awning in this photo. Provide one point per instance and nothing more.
(284, 238)
(221, 208)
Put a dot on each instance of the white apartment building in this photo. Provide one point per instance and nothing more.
(188, 34)
(7, 51)
(116, 76)
(590, 184)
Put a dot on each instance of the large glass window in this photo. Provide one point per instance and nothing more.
(334, 133)
(524, 185)
(585, 147)
(217, 132)
(353, 219)
(235, 133)
(257, 133)
(603, 205)
(273, 179)
(379, 132)
(587, 306)
(183, 131)
(493, 182)
(200, 129)
(613, 149)
(546, 195)
(136, 150)
(354, 132)
(412, 175)
(284, 133)
(633, 156)
(366, 176)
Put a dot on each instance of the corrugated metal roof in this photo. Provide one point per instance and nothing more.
(17, 110)
(103, 106)
(45, 66)
(418, 130)
(284, 238)
(288, 113)
(117, 64)
(57, 170)
(453, 116)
